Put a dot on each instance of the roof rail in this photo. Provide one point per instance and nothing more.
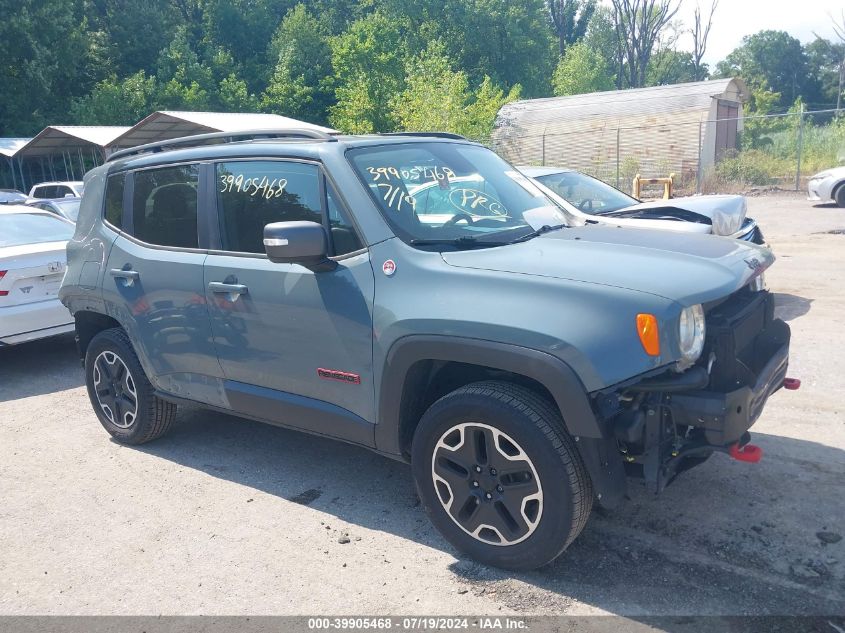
(198, 140)
(433, 134)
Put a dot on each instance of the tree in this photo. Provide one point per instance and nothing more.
(133, 33)
(570, 19)
(299, 85)
(368, 61)
(826, 61)
(434, 96)
(772, 60)
(669, 66)
(700, 34)
(438, 98)
(114, 102)
(638, 24)
(839, 29)
(43, 59)
(581, 70)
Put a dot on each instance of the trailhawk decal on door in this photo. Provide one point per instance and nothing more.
(342, 376)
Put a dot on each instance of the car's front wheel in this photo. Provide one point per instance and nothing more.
(499, 476)
(120, 392)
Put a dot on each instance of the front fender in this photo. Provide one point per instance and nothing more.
(596, 446)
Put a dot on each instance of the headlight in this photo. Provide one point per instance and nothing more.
(821, 175)
(758, 283)
(691, 335)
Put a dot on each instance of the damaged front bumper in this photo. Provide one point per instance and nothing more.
(672, 422)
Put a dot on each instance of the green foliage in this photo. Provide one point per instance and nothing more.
(299, 87)
(757, 127)
(581, 70)
(669, 66)
(43, 59)
(368, 63)
(570, 19)
(770, 60)
(436, 97)
(114, 102)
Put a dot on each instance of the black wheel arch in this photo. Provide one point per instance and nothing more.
(412, 359)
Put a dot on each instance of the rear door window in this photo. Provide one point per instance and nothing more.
(164, 206)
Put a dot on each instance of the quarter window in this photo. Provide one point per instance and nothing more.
(114, 200)
(164, 206)
(252, 194)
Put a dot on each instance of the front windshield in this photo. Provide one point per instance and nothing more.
(586, 193)
(70, 209)
(441, 192)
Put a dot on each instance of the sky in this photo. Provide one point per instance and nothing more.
(735, 18)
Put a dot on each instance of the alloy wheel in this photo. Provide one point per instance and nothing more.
(487, 483)
(115, 389)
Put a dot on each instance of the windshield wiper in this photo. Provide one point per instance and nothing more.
(543, 229)
(464, 240)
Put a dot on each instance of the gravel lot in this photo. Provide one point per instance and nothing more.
(226, 516)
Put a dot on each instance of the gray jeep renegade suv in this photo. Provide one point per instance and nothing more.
(416, 295)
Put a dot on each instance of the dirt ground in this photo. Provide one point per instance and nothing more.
(226, 516)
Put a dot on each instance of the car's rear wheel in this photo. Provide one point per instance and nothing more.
(120, 392)
(499, 475)
(839, 196)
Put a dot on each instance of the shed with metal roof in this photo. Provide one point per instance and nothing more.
(168, 124)
(681, 128)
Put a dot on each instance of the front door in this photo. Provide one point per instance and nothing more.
(295, 346)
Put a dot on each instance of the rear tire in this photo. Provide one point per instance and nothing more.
(120, 392)
(839, 196)
(499, 476)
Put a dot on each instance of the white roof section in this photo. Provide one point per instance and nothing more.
(621, 104)
(10, 146)
(167, 124)
(57, 138)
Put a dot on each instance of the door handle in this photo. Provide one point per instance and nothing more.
(233, 290)
(130, 276)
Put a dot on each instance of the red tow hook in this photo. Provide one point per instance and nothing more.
(791, 383)
(749, 453)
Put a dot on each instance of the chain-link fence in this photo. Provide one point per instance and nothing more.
(726, 155)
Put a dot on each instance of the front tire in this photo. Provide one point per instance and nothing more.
(499, 476)
(120, 392)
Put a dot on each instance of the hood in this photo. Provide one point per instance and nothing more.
(694, 269)
(725, 213)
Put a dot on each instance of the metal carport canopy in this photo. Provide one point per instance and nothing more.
(168, 124)
(66, 138)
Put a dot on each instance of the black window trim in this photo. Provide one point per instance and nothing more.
(216, 243)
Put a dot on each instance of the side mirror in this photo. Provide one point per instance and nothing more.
(303, 243)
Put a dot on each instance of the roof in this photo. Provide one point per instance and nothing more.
(168, 124)
(305, 148)
(623, 103)
(57, 138)
(9, 146)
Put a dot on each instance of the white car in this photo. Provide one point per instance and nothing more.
(828, 185)
(66, 189)
(591, 200)
(32, 264)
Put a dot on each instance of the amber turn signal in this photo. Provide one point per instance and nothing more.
(649, 335)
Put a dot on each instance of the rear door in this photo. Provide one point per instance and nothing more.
(154, 280)
(289, 338)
